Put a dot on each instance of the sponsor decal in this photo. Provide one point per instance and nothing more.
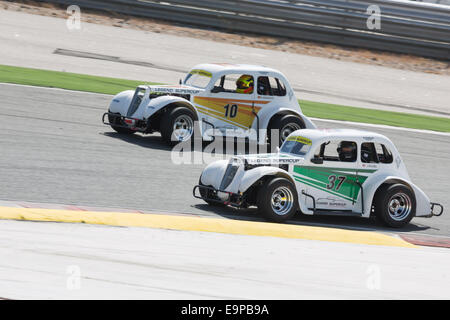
(272, 159)
(300, 139)
(174, 89)
(331, 202)
(201, 72)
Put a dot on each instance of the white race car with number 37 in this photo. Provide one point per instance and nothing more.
(216, 99)
(320, 172)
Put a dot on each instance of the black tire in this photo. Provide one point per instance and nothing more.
(204, 193)
(118, 121)
(282, 123)
(395, 205)
(168, 122)
(268, 191)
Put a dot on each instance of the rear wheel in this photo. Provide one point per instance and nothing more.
(395, 205)
(285, 124)
(116, 122)
(177, 125)
(277, 200)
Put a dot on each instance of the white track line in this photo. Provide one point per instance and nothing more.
(381, 126)
(361, 124)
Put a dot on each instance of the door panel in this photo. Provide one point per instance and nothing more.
(333, 188)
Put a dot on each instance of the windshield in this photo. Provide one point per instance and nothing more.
(198, 78)
(296, 145)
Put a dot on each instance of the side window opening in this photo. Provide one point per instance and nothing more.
(383, 153)
(368, 153)
(270, 86)
(234, 83)
(375, 153)
(345, 151)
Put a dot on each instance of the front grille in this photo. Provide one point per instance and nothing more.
(136, 101)
(228, 177)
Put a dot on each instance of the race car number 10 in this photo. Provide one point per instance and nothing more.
(231, 111)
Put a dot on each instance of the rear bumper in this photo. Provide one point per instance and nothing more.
(211, 195)
(120, 121)
(433, 206)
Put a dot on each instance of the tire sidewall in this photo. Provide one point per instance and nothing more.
(280, 122)
(382, 203)
(168, 122)
(265, 195)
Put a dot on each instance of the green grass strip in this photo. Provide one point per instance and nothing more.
(389, 118)
(66, 80)
(81, 82)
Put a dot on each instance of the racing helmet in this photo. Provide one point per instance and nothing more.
(244, 84)
(347, 151)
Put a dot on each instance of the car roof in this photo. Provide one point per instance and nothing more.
(339, 134)
(217, 67)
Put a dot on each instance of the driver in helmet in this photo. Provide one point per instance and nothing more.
(347, 151)
(244, 84)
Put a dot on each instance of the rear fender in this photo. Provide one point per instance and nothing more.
(423, 205)
(264, 121)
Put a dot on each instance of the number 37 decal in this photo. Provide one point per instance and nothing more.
(333, 183)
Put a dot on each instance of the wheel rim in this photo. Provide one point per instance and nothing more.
(288, 129)
(399, 206)
(183, 127)
(282, 200)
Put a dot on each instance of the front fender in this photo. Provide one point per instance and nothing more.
(251, 176)
(212, 175)
(159, 103)
(423, 206)
(121, 101)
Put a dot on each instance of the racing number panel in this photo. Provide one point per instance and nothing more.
(237, 112)
(332, 188)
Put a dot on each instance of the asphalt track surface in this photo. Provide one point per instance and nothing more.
(45, 42)
(54, 149)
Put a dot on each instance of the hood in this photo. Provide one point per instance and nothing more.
(175, 89)
(271, 159)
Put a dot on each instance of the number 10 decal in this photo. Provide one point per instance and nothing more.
(231, 111)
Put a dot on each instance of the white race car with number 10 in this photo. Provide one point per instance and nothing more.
(328, 172)
(215, 99)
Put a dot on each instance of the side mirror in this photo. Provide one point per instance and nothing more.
(180, 82)
(317, 160)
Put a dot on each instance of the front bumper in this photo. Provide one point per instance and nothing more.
(119, 121)
(211, 195)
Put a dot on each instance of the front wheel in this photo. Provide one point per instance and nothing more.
(178, 125)
(277, 200)
(395, 205)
